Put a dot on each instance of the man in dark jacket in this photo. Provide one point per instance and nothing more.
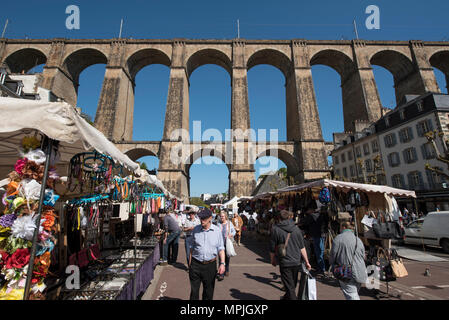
(317, 224)
(290, 265)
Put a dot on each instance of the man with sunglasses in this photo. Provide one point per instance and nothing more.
(205, 243)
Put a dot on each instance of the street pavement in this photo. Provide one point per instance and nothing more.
(252, 277)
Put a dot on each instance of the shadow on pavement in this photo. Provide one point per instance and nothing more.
(264, 280)
(179, 265)
(259, 245)
(239, 295)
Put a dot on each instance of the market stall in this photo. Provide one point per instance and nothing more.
(49, 138)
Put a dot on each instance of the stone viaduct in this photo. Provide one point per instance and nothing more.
(305, 152)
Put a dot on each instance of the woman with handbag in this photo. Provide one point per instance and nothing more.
(228, 232)
(347, 261)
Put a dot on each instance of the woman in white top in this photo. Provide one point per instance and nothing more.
(228, 231)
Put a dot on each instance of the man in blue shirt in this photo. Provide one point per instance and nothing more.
(206, 243)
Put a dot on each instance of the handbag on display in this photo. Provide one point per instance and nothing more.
(382, 261)
(383, 229)
(397, 265)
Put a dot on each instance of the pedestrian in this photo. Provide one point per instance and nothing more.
(317, 224)
(347, 249)
(171, 239)
(191, 222)
(237, 221)
(206, 243)
(228, 232)
(413, 216)
(290, 264)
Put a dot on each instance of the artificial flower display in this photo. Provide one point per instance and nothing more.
(18, 223)
(20, 165)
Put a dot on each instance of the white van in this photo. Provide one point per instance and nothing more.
(432, 230)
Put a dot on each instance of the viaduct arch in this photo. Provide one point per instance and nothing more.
(305, 152)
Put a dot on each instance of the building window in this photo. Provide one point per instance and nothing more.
(410, 155)
(398, 181)
(358, 152)
(387, 121)
(368, 165)
(393, 159)
(381, 180)
(343, 158)
(402, 114)
(337, 172)
(350, 157)
(415, 180)
(420, 106)
(352, 170)
(366, 149)
(336, 160)
(428, 152)
(375, 146)
(406, 135)
(435, 180)
(423, 127)
(345, 172)
(390, 140)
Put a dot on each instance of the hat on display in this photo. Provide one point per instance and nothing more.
(204, 214)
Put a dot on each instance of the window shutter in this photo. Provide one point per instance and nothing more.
(401, 177)
(393, 136)
(423, 151)
(390, 161)
(430, 178)
(421, 180)
(404, 154)
(386, 141)
(410, 132)
(429, 125)
(419, 129)
(411, 185)
(415, 155)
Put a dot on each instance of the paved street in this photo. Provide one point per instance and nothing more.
(253, 278)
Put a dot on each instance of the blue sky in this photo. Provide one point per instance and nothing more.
(210, 90)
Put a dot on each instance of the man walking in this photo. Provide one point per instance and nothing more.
(348, 249)
(317, 223)
(290, 264)
(171, 238)
(191, 222)
(206, 243)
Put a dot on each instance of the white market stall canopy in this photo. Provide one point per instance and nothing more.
(231, 202)
(350, 185)
(58, 121)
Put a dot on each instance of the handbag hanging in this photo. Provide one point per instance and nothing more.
(397, 265)
(382, 261)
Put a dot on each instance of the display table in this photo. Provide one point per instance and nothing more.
(143, 277)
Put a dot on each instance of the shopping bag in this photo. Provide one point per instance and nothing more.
(230, 251)
(311, 287)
